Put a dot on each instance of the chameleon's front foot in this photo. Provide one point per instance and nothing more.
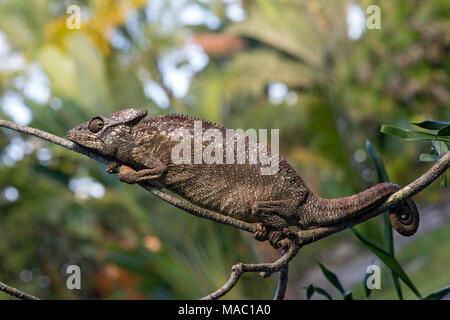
(280, 238)
(262, 232)
(130, 176)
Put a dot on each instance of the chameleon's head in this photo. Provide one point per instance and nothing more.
(104, 134)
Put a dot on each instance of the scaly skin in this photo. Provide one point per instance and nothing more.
(142, 148)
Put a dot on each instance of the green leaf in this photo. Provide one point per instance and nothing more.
(411, 134)
(431, 125)
(398, 287)
(388, 236)
(366, 289)
(437, 295)
(332, 278)
(390, 261)
(425, 157)
(348, 295)
(443, 181)
(323, 292)
(382, 177)
(311, 289)
(376, 159)
(440, 147)
(445, 131)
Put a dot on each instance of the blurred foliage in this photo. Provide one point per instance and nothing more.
(338, 93)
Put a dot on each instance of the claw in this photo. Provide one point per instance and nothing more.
(277, 238)
(280, 238)
(112, 167)
(262, 232)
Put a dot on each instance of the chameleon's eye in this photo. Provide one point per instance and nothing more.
(96, 125)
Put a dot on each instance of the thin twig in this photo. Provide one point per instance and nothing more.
(16, 292)
(264, 268)
(282, 280)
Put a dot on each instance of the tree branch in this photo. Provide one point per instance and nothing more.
(265, 270)
(309, 236)
(16, 293)
(300, 238)
(282, 280)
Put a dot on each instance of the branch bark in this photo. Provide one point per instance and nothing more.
(265, 269)
(282, 280)
(301, 238)
(16, 293)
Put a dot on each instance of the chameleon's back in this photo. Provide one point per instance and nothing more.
(230, 189)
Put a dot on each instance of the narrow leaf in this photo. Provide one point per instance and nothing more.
(309, 291)
(348, 295)
(388, 236)
(440, 147)
(437, 295)
(431, 125)
(332, 278)
(443, 181)
(445, 131)
(389, 260)
(425, 157)
(376, 159)
(366, 289)
(382, 177)
(397, 285)
(323, 292)
(411, 134)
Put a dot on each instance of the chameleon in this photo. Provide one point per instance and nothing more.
(142, 151)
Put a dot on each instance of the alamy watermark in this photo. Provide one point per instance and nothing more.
(74, 19)
(374, 19)
(373, 281)
(229, 149)
(74, 279)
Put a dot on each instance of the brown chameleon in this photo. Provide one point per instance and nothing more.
(142, 148)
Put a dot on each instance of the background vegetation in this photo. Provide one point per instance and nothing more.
(309, 68)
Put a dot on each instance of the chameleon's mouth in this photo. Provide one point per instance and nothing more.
(75, 134)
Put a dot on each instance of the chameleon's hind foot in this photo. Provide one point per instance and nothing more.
(280, 238)
(277, 238)
(262, 232)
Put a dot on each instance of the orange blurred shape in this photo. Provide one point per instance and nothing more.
(111, 277)
(219, 44)
(152, 243)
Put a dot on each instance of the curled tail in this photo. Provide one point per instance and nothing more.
(404, 217)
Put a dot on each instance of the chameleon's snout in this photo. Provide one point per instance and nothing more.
(80, 135)
(405, 218)
(73, 133)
